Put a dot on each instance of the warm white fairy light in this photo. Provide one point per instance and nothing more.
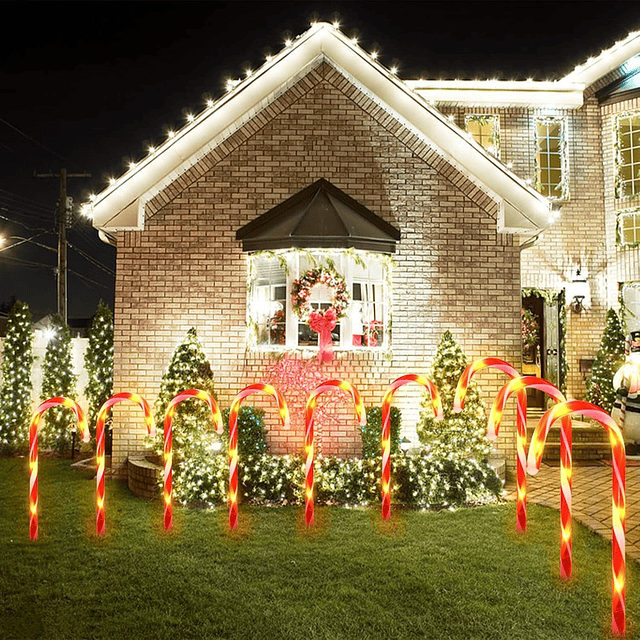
(171, 134)
(394, 70)
(132, 165)
(190, 117)
(288, 42)
(151, 149)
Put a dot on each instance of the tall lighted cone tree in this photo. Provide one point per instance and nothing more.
(15, 394)
(609, 359)
(458, 435)
(58, 380)
(188, 368)
(98, 362)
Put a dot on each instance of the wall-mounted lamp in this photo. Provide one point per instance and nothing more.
(578, 291)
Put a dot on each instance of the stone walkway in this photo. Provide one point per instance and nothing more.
(591, 499)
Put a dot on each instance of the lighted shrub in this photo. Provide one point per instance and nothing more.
(421, 480)
(252, 438)
(372, 432)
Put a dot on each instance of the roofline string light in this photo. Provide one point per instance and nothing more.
(231, 85)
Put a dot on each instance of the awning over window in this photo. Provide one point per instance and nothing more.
(319, 216)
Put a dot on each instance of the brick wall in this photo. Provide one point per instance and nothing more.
(577, 236)
(453, 271)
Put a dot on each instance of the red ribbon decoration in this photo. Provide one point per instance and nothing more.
(322, 324)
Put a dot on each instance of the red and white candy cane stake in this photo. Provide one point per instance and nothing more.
(168, 444)
(102, 416)
(518, 385)
(386, 430)
(521, 443)
(618, 495)
(33, 452)
(233, 440)
(309, 438)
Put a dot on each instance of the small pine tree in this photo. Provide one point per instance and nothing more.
(189, 368)
(58, 380)
(98, 362)
(609, 359)
(15, 394)
(458, 435)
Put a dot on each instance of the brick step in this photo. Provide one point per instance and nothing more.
(589, 441)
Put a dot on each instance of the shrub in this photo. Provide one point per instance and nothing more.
(252, 439)
(422, 480)
(15, 393)
(372, 432)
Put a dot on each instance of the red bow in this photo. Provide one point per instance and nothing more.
(322, 324)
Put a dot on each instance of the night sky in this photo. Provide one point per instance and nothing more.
(91, 84)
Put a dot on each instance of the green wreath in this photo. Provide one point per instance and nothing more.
(301, 291)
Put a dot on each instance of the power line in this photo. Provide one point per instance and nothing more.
(15, 196)
(93, 261)
(22, 224)
(99, 284)
(22, 133)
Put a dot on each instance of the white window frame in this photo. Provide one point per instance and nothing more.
(629, 227)
(628, 156)
(491, 141)
(295, 263)
(554, 190)
(631, 297)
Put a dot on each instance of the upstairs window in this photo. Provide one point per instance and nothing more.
(275, 319)
(629, 227)
(551, 158)
(628, 155)
(485, 130)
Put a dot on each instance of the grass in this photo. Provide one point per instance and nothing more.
(445, 575)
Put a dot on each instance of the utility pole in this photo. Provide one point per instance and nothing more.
(64, 219)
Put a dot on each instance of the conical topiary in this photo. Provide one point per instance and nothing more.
(98, 362)
(15, 394)
(189, 368)
(458, 435)
(58, 380)
(609, 359)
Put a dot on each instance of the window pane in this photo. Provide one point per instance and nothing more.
(550, 160)
(485, 130)
(269, 303)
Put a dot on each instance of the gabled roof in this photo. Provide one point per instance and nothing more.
(321, 215)
(122, 206)
(566, 93)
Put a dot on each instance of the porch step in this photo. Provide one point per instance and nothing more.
(590, 442)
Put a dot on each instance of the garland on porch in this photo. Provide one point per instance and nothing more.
(560, 298)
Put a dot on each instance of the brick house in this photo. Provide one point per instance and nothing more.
(436, 201)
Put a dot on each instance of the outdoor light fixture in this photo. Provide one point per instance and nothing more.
(405, 445)
(578, 292)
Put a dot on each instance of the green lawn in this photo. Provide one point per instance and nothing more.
(452, 574)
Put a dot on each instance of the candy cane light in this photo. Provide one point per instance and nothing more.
(102, 415)
(168, 443)
(521, 442)
(33, 452)
(618, 495)
(233, 440)
(518, 385)
(309, 435)
(386, 430)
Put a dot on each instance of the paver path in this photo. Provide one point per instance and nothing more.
(591, 499)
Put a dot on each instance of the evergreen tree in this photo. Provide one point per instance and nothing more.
(189, 368)
(58, 380)
(98, 362)
(15, 394)
(458, 435)
(609, 359)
